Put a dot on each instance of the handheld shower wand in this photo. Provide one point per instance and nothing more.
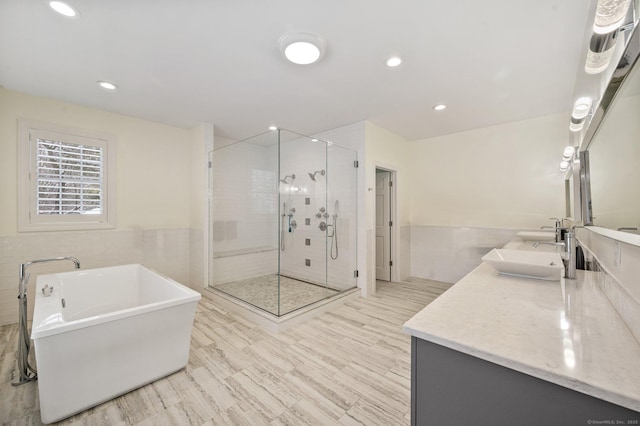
(334, 233)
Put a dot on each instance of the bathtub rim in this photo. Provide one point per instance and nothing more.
(47, 313)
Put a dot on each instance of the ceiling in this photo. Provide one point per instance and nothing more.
(183, 63)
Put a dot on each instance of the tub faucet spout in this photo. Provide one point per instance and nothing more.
(24, 266)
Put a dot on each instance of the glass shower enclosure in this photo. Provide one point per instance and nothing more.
(283, 221)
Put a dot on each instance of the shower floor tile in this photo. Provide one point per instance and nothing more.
(262, 292)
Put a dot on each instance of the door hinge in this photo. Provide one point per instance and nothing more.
(391, 263)
(209, 164)
(390, 183)
(390, 223)
(355, 164)
(355, 274)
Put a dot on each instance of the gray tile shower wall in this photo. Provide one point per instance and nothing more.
(165, 250)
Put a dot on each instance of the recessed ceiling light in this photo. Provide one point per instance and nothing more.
(314, 140)
(272, 128)
(302, 48)
(439, 107)
(63, 8)
(107, 85)
(394, 61)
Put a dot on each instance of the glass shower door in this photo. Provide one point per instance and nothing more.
(304, 218)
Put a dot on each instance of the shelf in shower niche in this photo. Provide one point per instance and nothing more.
(238, 252)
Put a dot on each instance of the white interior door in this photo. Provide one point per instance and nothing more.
(383, 229)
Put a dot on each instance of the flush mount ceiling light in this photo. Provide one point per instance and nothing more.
(302, 48)
(581, 108)
(394, 61)
(107, 85)
(610, 15)
(63, 8)
(439, 107)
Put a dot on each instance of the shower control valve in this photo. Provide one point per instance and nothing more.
(326, 215)
(322, 226)
(322, 210)
(318, 215)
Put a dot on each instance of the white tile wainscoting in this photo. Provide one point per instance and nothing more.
(448, 253)
(618, 278)
(164, 250)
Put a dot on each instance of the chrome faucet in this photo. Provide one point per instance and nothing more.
(27, 372)
(569, 258)
(24, 266)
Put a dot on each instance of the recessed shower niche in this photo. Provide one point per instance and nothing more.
(283, 221)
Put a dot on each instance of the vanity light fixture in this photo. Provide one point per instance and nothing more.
(610, 15)
(64, 9)
(439, 107)
(600, 52)
(581, 108)
(564, 166)
(394, 61)
(107, 85)
(576, 125)
(568, 153)
(302, 48)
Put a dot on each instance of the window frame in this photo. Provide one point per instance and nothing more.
(28, 219)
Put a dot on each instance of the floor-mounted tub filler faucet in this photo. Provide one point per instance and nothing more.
(27, 372)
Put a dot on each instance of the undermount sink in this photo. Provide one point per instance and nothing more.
(536, 236)
(527, 264)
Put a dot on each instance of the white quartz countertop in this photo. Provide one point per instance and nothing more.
(565, 332)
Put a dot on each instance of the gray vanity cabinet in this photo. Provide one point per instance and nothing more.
(449, 387)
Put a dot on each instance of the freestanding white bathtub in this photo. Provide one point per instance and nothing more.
(103, 332)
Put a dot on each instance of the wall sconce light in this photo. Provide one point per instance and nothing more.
(567, 155)
(609, 15)
(581, 108)
(576, 125)
(600, 52)
(564, 166)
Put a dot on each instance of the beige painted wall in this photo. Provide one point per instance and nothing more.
(153, 162)
(500, 176)
(385, 149)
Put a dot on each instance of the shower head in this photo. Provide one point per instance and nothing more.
(284, 179)
(313, 175)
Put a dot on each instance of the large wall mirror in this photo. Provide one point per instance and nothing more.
(614, 161)
(610, 148)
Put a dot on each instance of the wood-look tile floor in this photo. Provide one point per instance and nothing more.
(350, 366)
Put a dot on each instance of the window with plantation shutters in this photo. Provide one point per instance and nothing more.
(69, 178)
(67, 182)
